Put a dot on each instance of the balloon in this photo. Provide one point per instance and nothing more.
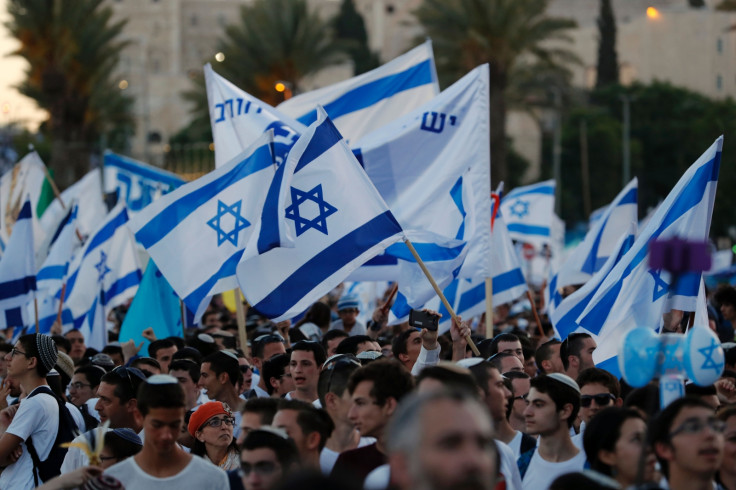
(703, 356)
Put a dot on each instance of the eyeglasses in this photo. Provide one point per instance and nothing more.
(520, 397)
(601, 399)
(695, 426)
(263, 468)
(340, 361)
(78, 385)
(217, 422)
(14, 352)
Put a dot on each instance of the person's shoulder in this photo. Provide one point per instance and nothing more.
(200, 465)
(122, 468)
(359, 452)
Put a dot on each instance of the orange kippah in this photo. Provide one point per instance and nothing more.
(206, 412)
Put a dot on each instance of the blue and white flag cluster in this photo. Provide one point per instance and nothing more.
(529, 213)
(634, 295)
(18, 271)
(368, 101)
(53, 272)
(335, 216)
(197, 233)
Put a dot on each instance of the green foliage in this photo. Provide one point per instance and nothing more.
(350, 28)
(607, 69)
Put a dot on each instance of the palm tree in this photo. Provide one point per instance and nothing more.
(72, 49)
(509, 35)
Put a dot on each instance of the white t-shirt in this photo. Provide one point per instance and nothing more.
(37, 417)
(541, 473)
(515, 444)
(328, 457)
(197, 474)
(509, 469)
(76, 458)
(91, 403)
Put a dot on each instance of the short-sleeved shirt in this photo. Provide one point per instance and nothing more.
(197, 474)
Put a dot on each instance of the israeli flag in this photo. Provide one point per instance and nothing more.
(529, 213)
(18, 271)
(337, 220)
(634, 295)
(103, 274)
(54, 270)
(590, 255)
(137, 183)
(565, 315)
(367, 102)
(432, 167)
(238, 119)
(197, 233)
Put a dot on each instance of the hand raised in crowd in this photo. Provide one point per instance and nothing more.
(429, 337)
(459, 330)
(726, 391)
(4, 392)
(148, 334)
(283, 329)
(130, 350)
(55, 328)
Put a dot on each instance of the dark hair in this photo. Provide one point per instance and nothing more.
(169, 395)
(92, 373)
(450, 377)
(159, 344)
(274, 368)
(283, 447)
(310, 419)
(695, 390)
(335, 378)
(332, 335)
(146, 361)
(603, 432)
(223, 363)
(60, 341)
(126, 380)
(314, 347)
(725, 295)
(481, 375)
(120, 447)
(661, 426)
(600, 376)
(390, 380)
(399, 344)
(730, 357)
(502, 337)
(350, 345)
(189, 353)
(645, 399)
(186, 365)
(544, 353)
(560, 393)
(260, 346)
(496, 360)
(572, 346)
(31, 349)
(319, 314)
(112, 349)
(265, 407)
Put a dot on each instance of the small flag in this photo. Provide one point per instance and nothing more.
(528, 211)
(18, 271)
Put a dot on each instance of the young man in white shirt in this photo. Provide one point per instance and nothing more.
(37, 417)
(554, 402)
(162, 464)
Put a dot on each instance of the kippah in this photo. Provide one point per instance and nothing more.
(564, 378)
(273, 430)
(65, 364)
(161, 379)
(129, 435)
(229, 353)
(46, 351)
(469, 362)
(348, 301)
(369, 355)
(206, 338)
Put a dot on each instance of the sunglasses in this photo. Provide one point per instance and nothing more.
(340, 361)
(124, 373)
(601, 399)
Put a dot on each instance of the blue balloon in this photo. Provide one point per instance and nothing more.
(637, 357)
(703, 355)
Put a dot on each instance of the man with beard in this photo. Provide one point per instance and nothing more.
(442, 440)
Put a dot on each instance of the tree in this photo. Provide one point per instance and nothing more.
(275, 40)
(506, 34)
(607, 69)
(350, 28)
(72, 49)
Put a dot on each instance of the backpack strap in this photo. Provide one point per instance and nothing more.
(524, 460)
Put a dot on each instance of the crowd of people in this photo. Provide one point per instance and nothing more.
(330, 402)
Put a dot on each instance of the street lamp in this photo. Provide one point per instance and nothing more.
(283, 87)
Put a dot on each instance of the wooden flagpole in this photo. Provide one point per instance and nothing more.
(536, 314)
(439, 292)
(489, 280)
(387, 305)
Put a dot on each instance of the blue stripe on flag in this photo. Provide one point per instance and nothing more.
(114, 160)
(610, 365)
(270, 236)
(108, 231)
(123, 283)
(52, 272)
(194, 299)
(547, 190)
(450, 293)
(472, 297)
(327, 262)
(14, 317)
(508, 280)
(428, 252)
(25, 211)
(373, 92)
(325, 137)
(529, 229)
(62, 225)
(164, 222)
(589, 266)
(17, 287)
(383, 259)
(629, 198)
(457, 197)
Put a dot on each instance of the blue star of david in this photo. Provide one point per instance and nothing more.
(240, 223)
(520, 208)
(670, 357)
(709, 362)
(101, 266)
(660, 286)
(319, 223)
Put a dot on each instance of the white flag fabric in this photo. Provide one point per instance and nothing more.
(528, 211)
(137, 183)
(238, 119)
(368, 101)
(337, 220)
(590, 255)
(53, 272)
(197, 233)
(87, 193)
(18, 271)
(104, 274)
(634, 295)
(432, 167)
(24, 180)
